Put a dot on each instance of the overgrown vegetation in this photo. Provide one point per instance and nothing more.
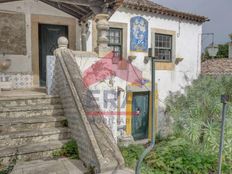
(197, 114)
(8, 169)
(69, 150)
(193, 149)
(174, 155)
(131, 154)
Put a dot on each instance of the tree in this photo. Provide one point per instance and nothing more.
(223, 52)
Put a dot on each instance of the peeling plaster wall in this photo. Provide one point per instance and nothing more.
(21, 65)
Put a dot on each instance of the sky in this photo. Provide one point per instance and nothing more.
(218, 11)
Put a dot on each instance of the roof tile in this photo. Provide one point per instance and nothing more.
(150, 6)
(217, 67)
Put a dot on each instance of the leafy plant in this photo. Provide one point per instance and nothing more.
(180, 157)
(70, 150)
(64, 123)
(8, 169)
(131, 154)
(223, 51)
(173, 156)
(197, 114)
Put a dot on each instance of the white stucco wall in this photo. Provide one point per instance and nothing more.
(188, 46)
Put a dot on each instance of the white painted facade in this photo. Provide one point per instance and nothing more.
(187, 46)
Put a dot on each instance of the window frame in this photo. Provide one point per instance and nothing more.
(121, 41)
(170, 49)
(155, 31)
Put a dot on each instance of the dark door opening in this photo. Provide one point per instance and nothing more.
(48, 35)
(140, 109)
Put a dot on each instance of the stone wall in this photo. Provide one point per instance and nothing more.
(95, 141)
(13, 33)
(217, 67)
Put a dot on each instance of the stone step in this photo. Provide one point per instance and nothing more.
(57, 166)
(22, 124)
(30, 152)
(32, 112)
(28, 101)
(29, 108)
(34, 136)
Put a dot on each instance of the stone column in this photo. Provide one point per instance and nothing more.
(102, 29)
(230, 50)
(84, 30)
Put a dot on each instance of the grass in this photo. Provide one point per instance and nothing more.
(70, 150)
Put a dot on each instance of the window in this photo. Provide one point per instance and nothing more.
(115, 42)
(163, 47)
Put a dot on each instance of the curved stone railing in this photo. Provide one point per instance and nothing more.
(97, 147)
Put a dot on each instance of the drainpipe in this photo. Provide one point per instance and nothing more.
(152, 145)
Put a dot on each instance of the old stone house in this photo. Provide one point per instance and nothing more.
(97, 30)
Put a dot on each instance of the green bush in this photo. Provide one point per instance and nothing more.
(197, 114)
(179, 156)
(131, 154)
(8, 169)
(174, 155)
(70, 150)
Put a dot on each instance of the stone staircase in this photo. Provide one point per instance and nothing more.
(31, 127)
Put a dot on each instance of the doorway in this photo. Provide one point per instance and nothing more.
(140, 118)
(48, 36)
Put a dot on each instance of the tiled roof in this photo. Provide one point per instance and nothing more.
(217, 67)
(84, 9)
(150, 6)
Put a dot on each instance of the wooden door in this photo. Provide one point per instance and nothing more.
(48, 36)
(140, 118)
